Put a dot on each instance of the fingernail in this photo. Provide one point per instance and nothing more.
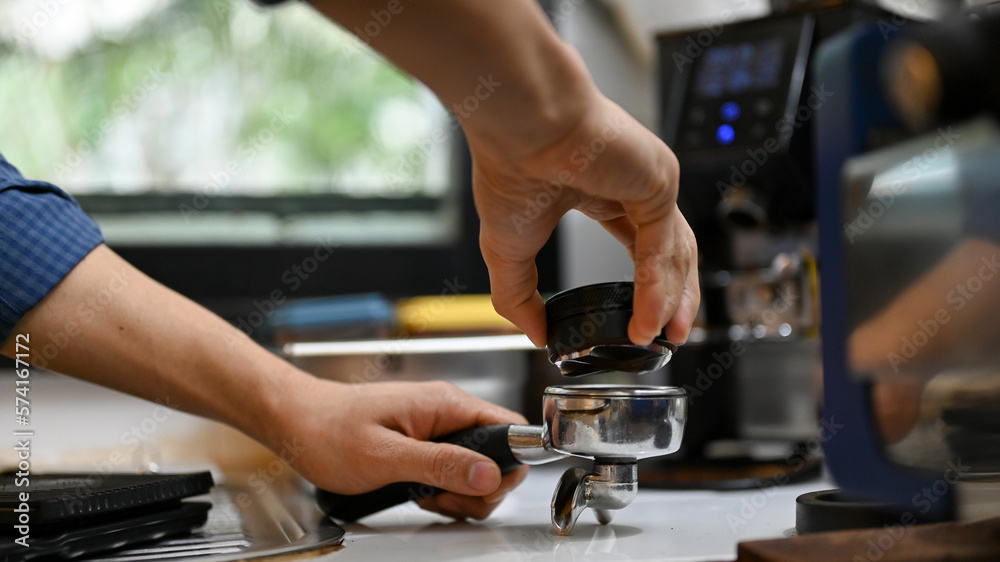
(483, 476)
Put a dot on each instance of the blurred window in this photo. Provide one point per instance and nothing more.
(194, 122)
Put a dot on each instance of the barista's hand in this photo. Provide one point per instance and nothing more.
(360, 437)
(614, 170)
(153, 343)
(544, 141)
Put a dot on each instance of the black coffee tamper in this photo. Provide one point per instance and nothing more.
(588, 332)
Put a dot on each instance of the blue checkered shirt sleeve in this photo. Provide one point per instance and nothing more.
(43, 235)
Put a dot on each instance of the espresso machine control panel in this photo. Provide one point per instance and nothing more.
(740, 87)
(736, 109)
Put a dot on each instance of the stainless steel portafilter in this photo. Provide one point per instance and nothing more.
(612, 424)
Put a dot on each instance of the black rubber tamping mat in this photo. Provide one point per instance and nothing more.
(106, 533)
(67, 516)
(62, 498)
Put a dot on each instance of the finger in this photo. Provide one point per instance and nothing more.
(679, 327)
(448, 409)
(444, 409)
(624, 232)
(599, 208)
(666, 254)
(511, 480)
(657, 283)
(431, 409)
(443, 465)
(514, 292)
(460, 507)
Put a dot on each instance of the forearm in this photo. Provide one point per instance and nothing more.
(116, 327)
(110, 324)
(499, 66)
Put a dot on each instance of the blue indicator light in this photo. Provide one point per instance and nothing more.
(725, 134)
(730, 111)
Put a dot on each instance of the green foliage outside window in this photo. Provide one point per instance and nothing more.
(146, 96)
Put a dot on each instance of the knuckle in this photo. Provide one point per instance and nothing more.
(694, 294)
(443, 466)
(501, 304)
(691, 244)
(444, 389)
(671, 167)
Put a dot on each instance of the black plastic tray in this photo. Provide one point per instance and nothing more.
(106, 533)
(62, 498)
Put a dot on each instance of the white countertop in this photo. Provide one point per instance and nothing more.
(659, 525)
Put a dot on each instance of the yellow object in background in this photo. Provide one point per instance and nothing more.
(450, 313)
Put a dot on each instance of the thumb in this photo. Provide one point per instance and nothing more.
(447, 466)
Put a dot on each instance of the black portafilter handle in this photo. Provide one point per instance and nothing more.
(491, 441)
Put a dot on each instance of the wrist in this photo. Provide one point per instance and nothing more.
(276, 415)
(548, 101)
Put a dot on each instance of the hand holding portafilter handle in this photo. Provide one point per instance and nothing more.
(616, 425)
(508, 445)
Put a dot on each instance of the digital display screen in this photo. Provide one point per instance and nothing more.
(740, 68)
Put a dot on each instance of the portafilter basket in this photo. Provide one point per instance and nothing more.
(615, 425)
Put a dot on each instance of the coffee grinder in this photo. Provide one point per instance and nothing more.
(737, 108)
